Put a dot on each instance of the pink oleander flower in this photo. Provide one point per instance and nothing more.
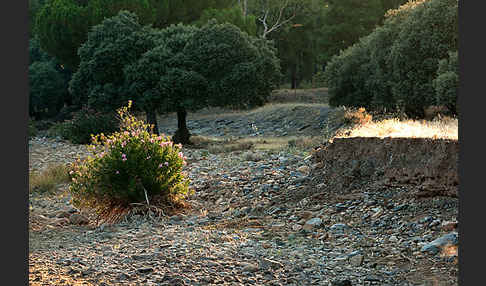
(160, 165)
(181, 155)
(162, 144)
(124, 157)
(166, 163)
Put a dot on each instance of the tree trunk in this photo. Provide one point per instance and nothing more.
(182, 134)
(152, 120)
(293, 77)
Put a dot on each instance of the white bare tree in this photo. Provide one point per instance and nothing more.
(273, 14)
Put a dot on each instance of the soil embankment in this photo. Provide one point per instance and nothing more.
(425, 167)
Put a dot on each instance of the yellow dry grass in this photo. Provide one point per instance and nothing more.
(47, 180)
(444, 128)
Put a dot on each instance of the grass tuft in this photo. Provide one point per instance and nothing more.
(47, 180)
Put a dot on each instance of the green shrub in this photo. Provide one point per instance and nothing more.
(379, 82)
(47, 90)
(426, 36)
(86, 123)
(32, 130)
(130, 166)
(36, 54)
(346, 74)
(446, 83)
(394, 67)
(318, 80)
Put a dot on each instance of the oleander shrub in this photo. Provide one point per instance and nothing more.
(86, 123)
(446, 83)
(130, 167)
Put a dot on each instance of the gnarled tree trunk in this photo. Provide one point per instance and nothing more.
(182, 133)
(152, 119)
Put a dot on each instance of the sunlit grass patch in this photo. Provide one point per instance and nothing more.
(47, 180)
(225, 145)
(444, 128)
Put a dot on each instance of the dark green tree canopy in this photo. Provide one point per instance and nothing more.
(224, 56)
(426, 37)
(399, 64)
(47, 90)
(63, 25)
(111, 45)
(231, 15)
(191, 68)
(446, 83)
(154, 80)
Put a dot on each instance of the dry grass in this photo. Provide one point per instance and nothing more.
(314, 95)
(444, 128)
(47, 180)
(217, 145)
(359, 123)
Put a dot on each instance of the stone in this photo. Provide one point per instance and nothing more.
(435, 246)
(449, 225)
(356, 260)
(63, 214)
(296, 227)
(341, 283)
(144, 270)
(339, 228)
(268, 263)
(78, 219)
(305, 214)
(304, 169)
(249, 267)
(312, 224)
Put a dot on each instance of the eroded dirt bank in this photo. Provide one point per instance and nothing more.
(426, 167)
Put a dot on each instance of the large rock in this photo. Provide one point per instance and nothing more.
(435, 246)
(312, 224)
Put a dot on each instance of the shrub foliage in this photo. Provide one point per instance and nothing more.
(395, 67)
(446, 83)
(85, 123)
(127, 167)
(47, 90)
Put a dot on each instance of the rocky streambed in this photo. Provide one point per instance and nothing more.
(257, 218)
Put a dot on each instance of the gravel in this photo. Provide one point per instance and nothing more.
(243, 230)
